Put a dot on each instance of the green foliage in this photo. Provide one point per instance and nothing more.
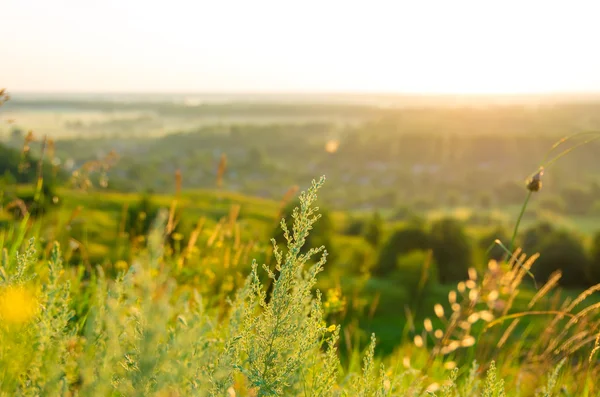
(321, 234)
(277, 348)
(402, 241)
(487, 243)
(559, 250)
(493, 387)
(146, 333)
(140, 216)
(374, 230)
(451, 250)
(24, 169)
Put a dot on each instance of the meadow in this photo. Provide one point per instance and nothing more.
(163, 268)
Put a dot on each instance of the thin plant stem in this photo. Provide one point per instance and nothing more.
(516, 230)
(567, 151)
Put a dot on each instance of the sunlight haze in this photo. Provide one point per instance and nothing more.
(309, 46)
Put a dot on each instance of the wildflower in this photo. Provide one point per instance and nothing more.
(452, 296)
(535, 183)
(450, 365)
(121, 265)
(387, 385)
(17, 305)
(439, 310)
(432, 388)
(473, 318)
(418, 341)
(428, 325)
(486, 316)
(472, 274)
(473, 294)
(468, 341)
(177, 236)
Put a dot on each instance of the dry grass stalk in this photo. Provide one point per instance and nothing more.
(551, 283)
(222, 167)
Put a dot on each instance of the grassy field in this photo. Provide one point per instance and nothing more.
(129, 291)
(72, 322)
(403, 322)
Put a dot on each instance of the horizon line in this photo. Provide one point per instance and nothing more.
(315, 92)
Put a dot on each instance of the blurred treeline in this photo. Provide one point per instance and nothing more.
(387, 158)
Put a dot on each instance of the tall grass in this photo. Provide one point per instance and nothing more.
(146, 333)
(194, 321)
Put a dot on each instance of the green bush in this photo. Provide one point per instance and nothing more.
(374, 230)
(561, 250)
(402, 241)
(321, 233)
(452, 250)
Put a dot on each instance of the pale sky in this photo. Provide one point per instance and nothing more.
(418, 46)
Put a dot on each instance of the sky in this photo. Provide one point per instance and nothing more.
(413, 46)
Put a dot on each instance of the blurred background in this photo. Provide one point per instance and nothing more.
(427, 118)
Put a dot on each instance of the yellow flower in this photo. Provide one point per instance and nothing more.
(121, 265)
(17, 305)
(331, 328)
(177, 236)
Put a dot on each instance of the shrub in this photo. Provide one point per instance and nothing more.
(451, 250)
(374, 229)
(402, 241)
(533, 236)
(562, 250)
(355, 227)
(321, 233)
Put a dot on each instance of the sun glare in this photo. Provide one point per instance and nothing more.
(431, 47)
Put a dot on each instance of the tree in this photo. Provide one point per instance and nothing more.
(564, 251)
(533, 236)
(451, 250)
(355, 227)
(374, 229)
(402, 241)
